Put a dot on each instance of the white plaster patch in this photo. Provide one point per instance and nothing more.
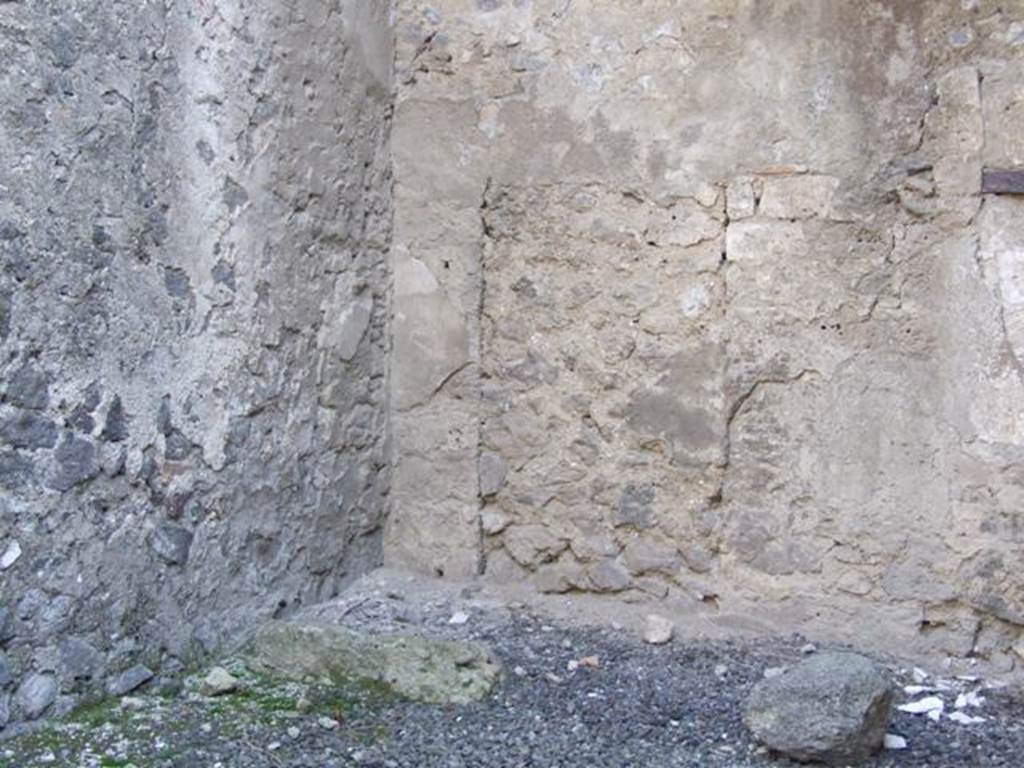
(695, 300)
(898, 70)
(10, 555)
(413, 277)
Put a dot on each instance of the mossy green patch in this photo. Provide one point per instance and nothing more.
(97, 713)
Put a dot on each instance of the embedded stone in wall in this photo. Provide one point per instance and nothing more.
(958, 124)
(635, 508)
(493, 471)
(643, 555)
(798, 197)
(35, 695)
(1003, 111)
(1002, 247)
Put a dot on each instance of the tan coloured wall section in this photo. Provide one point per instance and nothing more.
(700, 304)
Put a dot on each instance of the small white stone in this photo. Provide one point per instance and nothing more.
(205, 727)
(965, 719)
(519, 672)
(658, 630)
(327, 723)
(273, 746)
(721, 670)
(970, 699)
(927, 704)
(573, 665)
(773, 672)
(892, 741)
(809, 649)
(459, 618)
(218, 683)
(935, 715)
(919, 675)
(10, 555)
(293, 732)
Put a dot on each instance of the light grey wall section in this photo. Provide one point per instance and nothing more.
(194, 287)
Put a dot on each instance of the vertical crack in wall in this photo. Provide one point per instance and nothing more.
(481, 287)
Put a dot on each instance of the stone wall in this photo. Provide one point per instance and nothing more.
(694, 304)
(700, 304)
(194, 225)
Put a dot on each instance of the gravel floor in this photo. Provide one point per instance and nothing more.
(675, 705)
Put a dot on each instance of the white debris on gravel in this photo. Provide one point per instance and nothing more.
(892, 741)
(459, 618)
(919, 675)
(10, 555)
(327, 723)
(965, 719)
(923, 706)
(969, 699)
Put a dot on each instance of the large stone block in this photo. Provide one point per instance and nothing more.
(419, 667)
(833, 708)
(798, 197)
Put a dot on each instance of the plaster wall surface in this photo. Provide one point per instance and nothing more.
(194, 288)
(700, 304)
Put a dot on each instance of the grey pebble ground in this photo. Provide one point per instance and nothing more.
(673, 705)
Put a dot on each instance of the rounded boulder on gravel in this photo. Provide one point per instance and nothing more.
(833, 708)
